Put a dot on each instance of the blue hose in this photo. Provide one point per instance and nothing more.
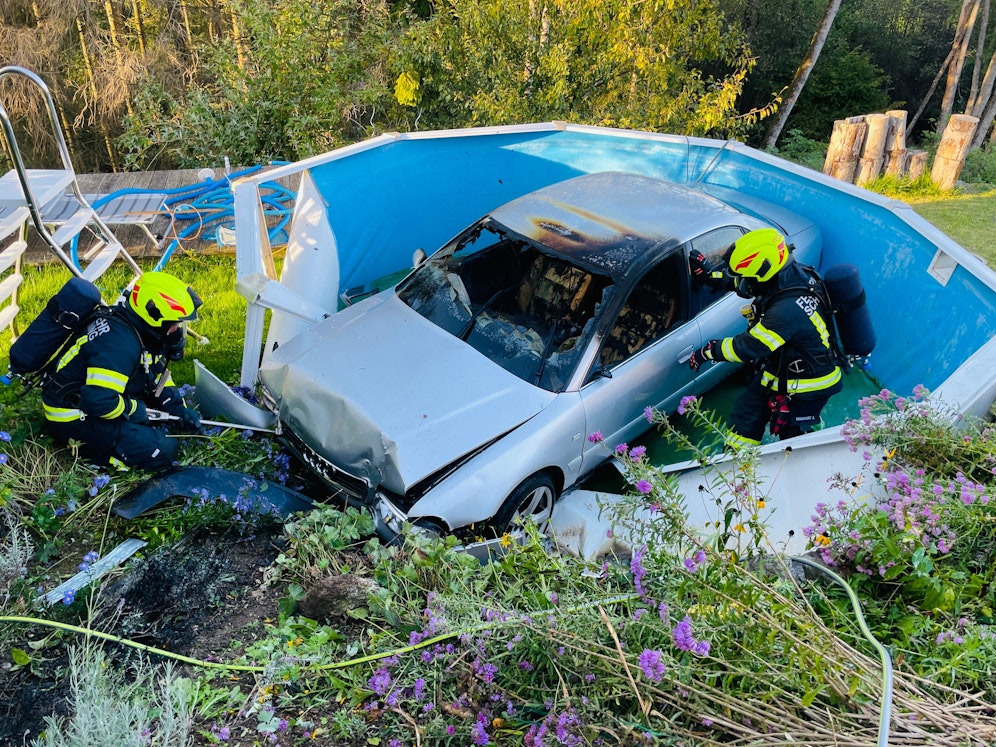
(208, 205)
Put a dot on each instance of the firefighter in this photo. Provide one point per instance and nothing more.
(789, 342)
(103, 383)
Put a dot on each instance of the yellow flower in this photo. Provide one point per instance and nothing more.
(822, 539)
(760, 504)
(506, 540)
(738, 527)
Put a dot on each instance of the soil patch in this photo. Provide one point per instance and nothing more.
(196, 598)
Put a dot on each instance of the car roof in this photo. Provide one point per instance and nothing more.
(611, 221)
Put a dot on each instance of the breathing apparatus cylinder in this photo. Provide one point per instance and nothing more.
(847, 296)
(64, 314)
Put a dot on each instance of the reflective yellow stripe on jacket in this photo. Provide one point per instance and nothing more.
(108, 379)
(62, 414)
(794, 386)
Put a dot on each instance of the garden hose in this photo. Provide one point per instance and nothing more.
(514, 620)
(886, 707)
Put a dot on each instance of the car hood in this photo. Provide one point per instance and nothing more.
(386, 395)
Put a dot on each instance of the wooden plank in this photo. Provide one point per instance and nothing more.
(95, 571)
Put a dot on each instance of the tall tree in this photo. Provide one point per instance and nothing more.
(774, 130)
(665, 65)
(959, 52)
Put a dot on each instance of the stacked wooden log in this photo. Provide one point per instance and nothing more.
(862, 148)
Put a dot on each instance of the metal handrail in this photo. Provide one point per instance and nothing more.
(34, 208)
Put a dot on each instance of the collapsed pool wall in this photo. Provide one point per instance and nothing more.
(932, 302)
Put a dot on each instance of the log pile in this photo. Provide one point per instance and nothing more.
(864, 147)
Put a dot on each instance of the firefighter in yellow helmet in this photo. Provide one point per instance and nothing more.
(117, 367)
(789, 341)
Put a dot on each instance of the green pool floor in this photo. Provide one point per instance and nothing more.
(719, 401)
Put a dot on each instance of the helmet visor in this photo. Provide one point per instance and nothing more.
(175, 340)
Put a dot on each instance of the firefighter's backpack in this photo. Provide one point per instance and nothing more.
(65, 315)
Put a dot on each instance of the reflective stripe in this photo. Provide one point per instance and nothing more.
(821, 327)
(727, 351)
(118, 410)
(71, 353)
(62, 414)
(738, 442)
(105, 377)
(770, 381)
(768, 338)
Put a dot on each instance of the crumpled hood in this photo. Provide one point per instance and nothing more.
(385, 394)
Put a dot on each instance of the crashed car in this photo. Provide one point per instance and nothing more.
(463, 397)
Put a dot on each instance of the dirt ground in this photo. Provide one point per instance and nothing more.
(193, 599)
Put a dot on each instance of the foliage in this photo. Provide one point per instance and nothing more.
(922, 553)
(902, 187)
(980, 166)
(663, 66)
(843, 83)
(303, 78)
(150, 708)
(796, 147)
(881, 52)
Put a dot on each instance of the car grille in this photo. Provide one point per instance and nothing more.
(343, 484)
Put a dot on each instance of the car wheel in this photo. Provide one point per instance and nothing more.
(430, 528)
(533, 499)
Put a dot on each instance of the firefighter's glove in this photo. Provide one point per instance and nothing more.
(139, 416)
(699, 266)
(190, 421)
(701, 355)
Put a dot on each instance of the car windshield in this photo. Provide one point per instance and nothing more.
(530, 312)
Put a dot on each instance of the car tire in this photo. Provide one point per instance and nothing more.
(431, 528)
(533, 498)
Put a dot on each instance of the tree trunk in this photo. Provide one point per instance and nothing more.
(959, 48)
(92, 85)
(136, 17)
(845, 148)
(933, 87)
(980, 51)
(950, 156)
(802, 74)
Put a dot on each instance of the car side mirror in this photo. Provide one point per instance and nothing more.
(418, 257)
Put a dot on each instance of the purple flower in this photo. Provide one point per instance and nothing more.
(478, 731)
(4, 436)
(685, 641)
(648, 413)
(622, 448)
(222, 733)
(596, 437)
(652, 665)
(68, 597)
(637, 452)
(686, 402)
(380, 682)
(637, 569)
(644, 487)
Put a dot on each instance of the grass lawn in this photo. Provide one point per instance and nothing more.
(969, 219)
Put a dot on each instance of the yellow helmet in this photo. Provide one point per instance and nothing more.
(161, 299)
(759, 255)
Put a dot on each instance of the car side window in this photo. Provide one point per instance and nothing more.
(654, 307)
(714, 246)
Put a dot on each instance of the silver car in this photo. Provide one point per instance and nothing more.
(461, 399)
